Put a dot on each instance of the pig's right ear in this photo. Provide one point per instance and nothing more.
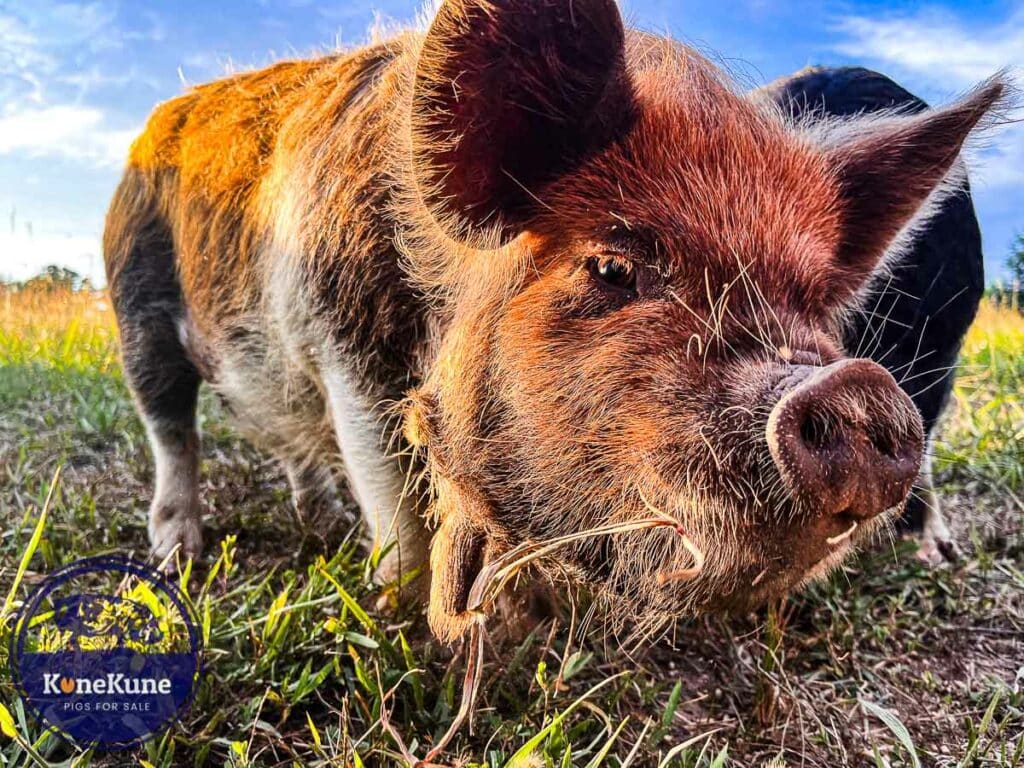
(887, 173)
(508, 95)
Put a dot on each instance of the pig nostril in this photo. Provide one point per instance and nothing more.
(846, 441)
(884, 441)
(817, 430)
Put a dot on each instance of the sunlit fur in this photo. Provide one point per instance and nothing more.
(307, 238)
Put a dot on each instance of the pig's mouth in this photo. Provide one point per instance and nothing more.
(840, 450)
(795, 559)
(820, 553)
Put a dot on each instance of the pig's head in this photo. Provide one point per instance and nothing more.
(642, 274)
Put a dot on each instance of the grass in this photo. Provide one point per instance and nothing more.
(885, 664)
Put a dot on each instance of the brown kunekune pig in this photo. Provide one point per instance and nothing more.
(592, 277)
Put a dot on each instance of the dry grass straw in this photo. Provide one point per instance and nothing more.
(682, 574)
(488, 585)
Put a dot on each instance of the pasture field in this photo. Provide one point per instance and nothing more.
(886, 664)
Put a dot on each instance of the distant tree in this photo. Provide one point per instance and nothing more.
(1015, 261)
(54, 278)
(1015, 266)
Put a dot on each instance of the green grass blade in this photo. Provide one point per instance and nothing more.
(521, 759)
(894, 724)
(678, 748)
(986, 722)
(33, 544)
(599, 758)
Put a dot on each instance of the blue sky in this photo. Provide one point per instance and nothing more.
(77, 80)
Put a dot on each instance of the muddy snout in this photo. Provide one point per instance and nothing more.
(846, 440)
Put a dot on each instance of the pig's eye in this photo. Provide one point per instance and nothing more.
(613, 271)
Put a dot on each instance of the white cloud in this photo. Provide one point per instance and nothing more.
(63, 72)
(21, 61)
(936, 45)
(947, 55)
(26, 255)
(74, 132)
(48, 55)
(41, 40)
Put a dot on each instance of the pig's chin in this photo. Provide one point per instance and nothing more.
(794, 559)
(817, 556)
(794, 578)
(739, 573)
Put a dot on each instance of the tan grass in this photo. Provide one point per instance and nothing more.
(60, 328)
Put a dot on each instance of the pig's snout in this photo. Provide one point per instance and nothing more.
(847, 440)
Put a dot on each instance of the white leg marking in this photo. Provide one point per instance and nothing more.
(174, 513)
(376, 480)
(935, 543)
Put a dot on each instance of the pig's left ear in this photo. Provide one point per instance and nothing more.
(509, 94)
(888, 170)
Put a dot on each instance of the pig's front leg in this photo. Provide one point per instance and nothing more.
(935, 542)
(315, 493)
(381, 488)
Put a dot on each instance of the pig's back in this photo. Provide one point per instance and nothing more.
(224, 161)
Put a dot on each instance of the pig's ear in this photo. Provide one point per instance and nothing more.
(456, 556)
(508, 95)
(888, 169)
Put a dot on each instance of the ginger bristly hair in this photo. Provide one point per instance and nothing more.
(524, 124)
(422, 212)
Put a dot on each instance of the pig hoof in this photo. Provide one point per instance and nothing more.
(398, 587)
(314, 501)
(935, 550)
(392, 595)
(935, 542)
(178, 535)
